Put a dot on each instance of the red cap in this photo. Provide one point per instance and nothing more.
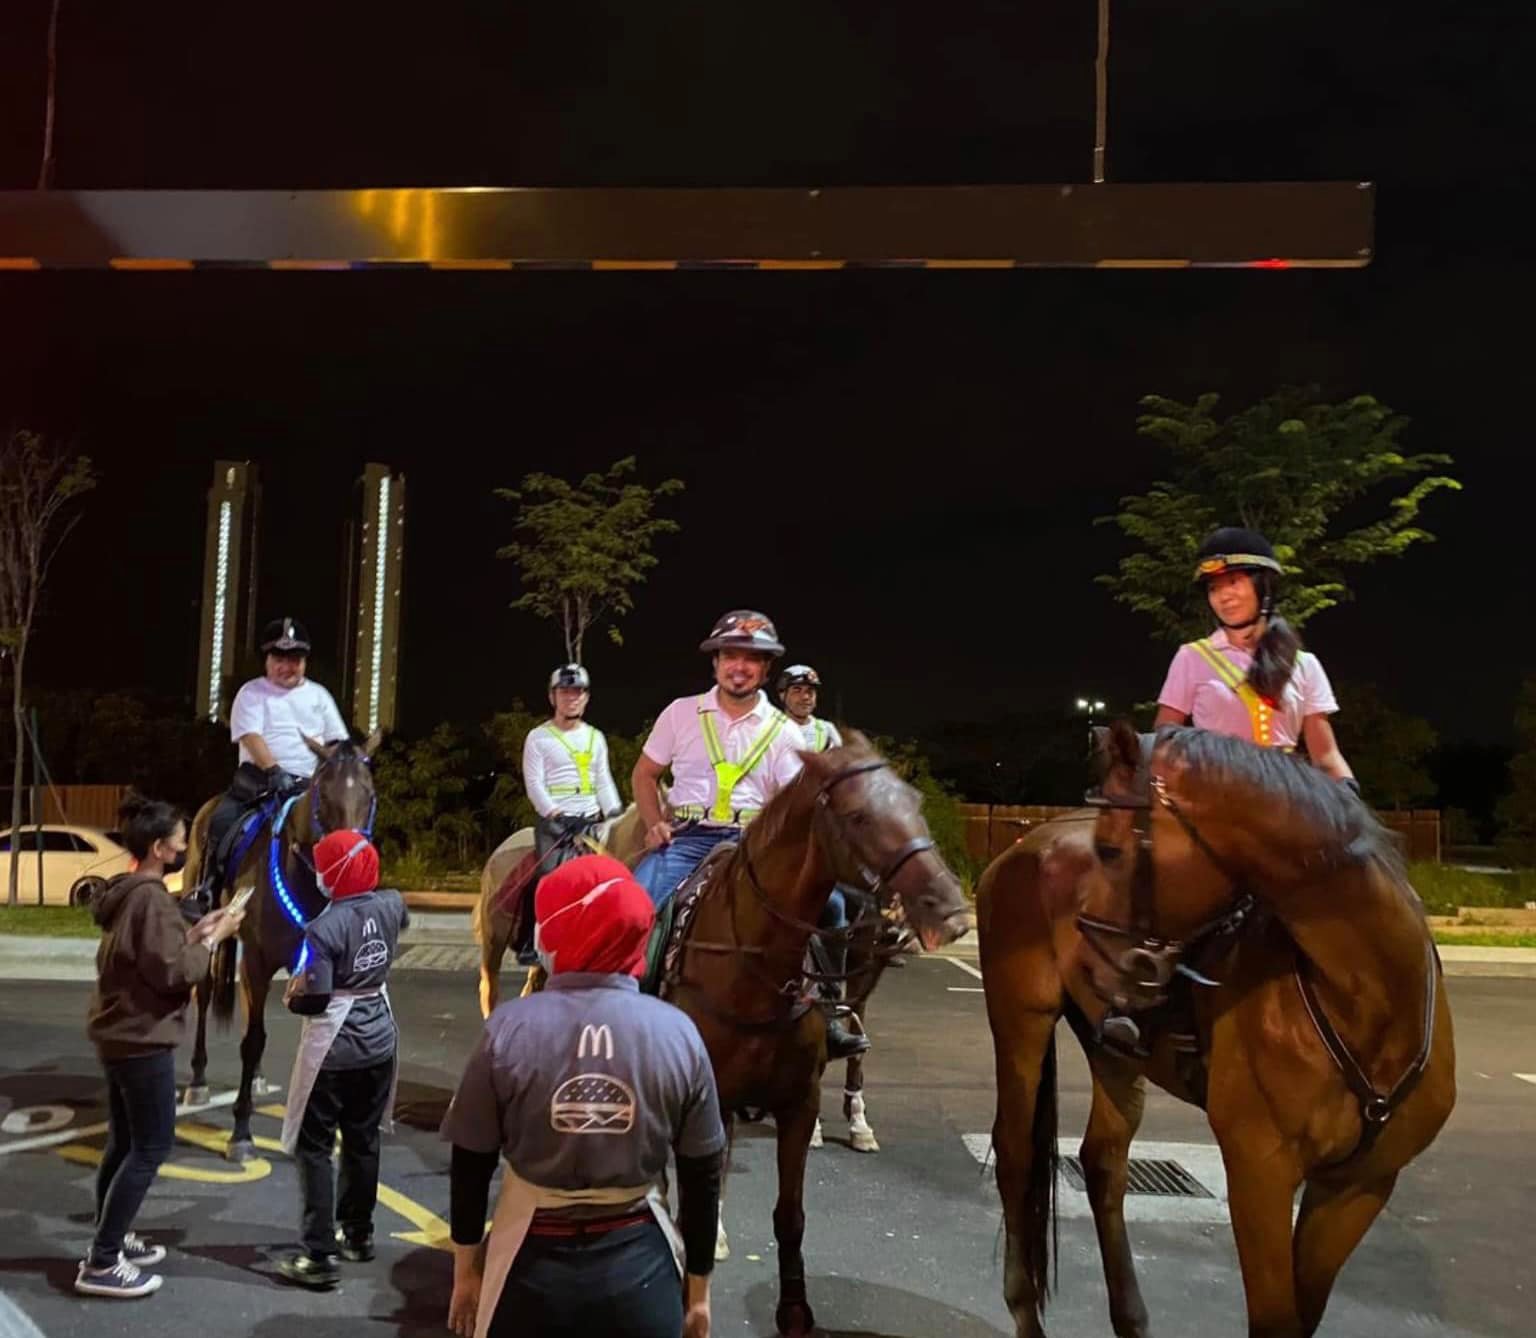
(346, 864)
(593, 916)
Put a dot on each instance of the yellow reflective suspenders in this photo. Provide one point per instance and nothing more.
(821, 736)
(729, 774)
(582, 757)
(1260, 712)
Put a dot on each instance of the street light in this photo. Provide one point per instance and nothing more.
(1090, 707)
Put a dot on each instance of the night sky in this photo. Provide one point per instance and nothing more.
(901, 468)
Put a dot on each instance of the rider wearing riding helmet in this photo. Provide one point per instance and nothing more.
(798, 688)
(270, 719)
(1250, 678)
(565, 765)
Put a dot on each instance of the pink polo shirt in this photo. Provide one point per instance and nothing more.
(1196, 689)
(677, 740)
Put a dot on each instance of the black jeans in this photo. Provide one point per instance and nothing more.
(352, 1100)
(141, 1121)
(621, 1285)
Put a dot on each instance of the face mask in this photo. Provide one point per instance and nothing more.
(546, 959)
(177, 864)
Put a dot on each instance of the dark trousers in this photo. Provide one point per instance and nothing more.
(548, 833)
(353, 1101)
(621, 1285)
(141, 1121)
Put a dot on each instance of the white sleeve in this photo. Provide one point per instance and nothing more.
(834, 739)
(245, 715)
(607, 792)
(335, 727)
(785, 757)
(533, 776)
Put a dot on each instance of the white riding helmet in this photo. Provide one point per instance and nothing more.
(570, 676)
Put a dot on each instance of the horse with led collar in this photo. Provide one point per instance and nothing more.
(1321, 1045)
(737, 965)
(339, 796)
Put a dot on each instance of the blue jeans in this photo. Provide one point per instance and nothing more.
(662, 870)
(141, 1120)
(836, 914)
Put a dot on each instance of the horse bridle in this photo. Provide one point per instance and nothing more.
(1152, 960)
(874, 885)
(314, 798)
(1164, 958)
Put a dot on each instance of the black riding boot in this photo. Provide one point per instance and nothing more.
(841, 1043)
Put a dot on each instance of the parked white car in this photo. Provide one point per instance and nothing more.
(76, 861)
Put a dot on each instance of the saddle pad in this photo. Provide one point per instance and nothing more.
(665, 952)
(243, 835)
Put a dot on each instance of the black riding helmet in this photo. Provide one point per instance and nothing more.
(285, 636)
(1232, 548)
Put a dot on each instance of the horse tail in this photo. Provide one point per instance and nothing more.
(223, 975)
(1041, 1232)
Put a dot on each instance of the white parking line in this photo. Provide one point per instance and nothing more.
(1527, 1077)
(15, 1322)
(964, 966)
(966, 989)
(71, 1134)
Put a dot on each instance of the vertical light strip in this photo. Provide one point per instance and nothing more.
(220, 607)
(380, 568)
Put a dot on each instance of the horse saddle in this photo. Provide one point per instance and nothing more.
(664, 953)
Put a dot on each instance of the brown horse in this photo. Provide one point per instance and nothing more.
(503, 879)
(1323, 1058)
(340, 796)
(846, 819)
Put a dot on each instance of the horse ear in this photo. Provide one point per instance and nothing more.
(857, 741)
(372, 742)
(1125, 744)
(317, 748)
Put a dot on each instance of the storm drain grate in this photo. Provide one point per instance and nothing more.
(1165, 1178)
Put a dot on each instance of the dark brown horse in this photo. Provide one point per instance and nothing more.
(846, 819)
(340, 796)
(1323, 1058)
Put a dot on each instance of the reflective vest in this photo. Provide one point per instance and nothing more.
(1260, 712)
(819, 745)
(582, 757)
(729, 774)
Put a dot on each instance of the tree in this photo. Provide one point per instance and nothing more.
(1297, 469)
(421, 788)
(582, 547)
(38, 481)
(1517, 810)
(1387, 748)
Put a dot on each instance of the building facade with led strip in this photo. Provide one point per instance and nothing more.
(227, 615)
(371, 599)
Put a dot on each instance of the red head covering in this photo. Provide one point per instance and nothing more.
(346, 864)
(593, 916)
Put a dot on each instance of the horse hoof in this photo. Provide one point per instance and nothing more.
(816, 1134)
(863, 1140)
(794, 1319)
(196, 1096)
(260, 1086)
(240, 1150)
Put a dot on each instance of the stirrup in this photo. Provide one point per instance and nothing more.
(1122, 1033)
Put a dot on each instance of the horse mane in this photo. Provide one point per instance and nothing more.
(775, 817)
(1343, 829)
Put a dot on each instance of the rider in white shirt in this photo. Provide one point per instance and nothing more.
(270, 719)
(565, 766)
(799, 688)
(730, 752)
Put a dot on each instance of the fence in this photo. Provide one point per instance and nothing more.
(79, 805)
(991, 828)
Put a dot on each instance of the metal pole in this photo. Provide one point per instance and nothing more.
(1101, 94)
(37, 803)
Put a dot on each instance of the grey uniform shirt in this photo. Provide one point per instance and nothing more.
(588, 1085)
(351, 946)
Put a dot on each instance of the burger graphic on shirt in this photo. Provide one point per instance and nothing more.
(592, 1103)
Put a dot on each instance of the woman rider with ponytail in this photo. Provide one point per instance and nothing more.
(1251, 678)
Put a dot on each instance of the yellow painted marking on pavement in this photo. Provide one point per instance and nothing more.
(277, 1112)
(201, 1136)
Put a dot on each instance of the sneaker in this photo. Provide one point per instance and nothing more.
(308, 1271)
(137, 1250)
(355, 1249)
(122, 1279)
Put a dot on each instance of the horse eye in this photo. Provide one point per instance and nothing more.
(1107, 853)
